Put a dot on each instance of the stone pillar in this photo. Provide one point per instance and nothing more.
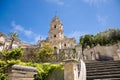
(71, 70)
(18, 72)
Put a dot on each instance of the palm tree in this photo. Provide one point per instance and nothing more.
(13, 36)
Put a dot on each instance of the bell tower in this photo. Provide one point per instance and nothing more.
(56, 36)
(56, 29)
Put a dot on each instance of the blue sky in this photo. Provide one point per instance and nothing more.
(31, 18)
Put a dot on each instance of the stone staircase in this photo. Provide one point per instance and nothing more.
(103, 70)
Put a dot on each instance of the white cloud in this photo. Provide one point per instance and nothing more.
(102, 20)
(58, 2)
(17, 27)
(76, 35)
(28, 33)
(20, 28)
(95, 2)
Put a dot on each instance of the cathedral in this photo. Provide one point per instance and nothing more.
(56, 36)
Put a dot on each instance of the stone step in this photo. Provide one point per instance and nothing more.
(116, 64)
(102, 62)
(102, 65)
(108, 79)
(103, 73)
(102, 70)
(103, 76)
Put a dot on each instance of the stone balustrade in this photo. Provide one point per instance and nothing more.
(18, 72)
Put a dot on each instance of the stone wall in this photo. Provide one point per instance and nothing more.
(102, 53)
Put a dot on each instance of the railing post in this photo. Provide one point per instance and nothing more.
(71, 70)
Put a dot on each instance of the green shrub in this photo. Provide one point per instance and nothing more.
(12, 62)
(12, 54)
(2, 63)
(3, 76)
(45, 70)
(56, 74)
(2, 70)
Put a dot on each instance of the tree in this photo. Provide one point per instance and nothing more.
(12, 54)
(13, 36)
(114, 35)
(87, 40)
(111, 36)
(46, 53)
(99, 39)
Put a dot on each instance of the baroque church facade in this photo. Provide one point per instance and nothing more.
(56, 36)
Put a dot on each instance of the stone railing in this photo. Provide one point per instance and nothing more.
(82, 75)
(18, 72)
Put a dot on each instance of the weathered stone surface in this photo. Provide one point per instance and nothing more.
(71, 70)
(18, 72)
(103, 70)
(101, 53)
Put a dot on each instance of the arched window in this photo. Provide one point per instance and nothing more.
(54, 26)
(65, 45)
(55, 47)
(55, 50)
(54, 36)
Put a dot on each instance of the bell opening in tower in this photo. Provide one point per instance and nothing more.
(54, 36)
(54, 26)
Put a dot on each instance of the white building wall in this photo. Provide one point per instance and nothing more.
(1, 48)
(7, 45)
(15, 46)
(2, 39)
